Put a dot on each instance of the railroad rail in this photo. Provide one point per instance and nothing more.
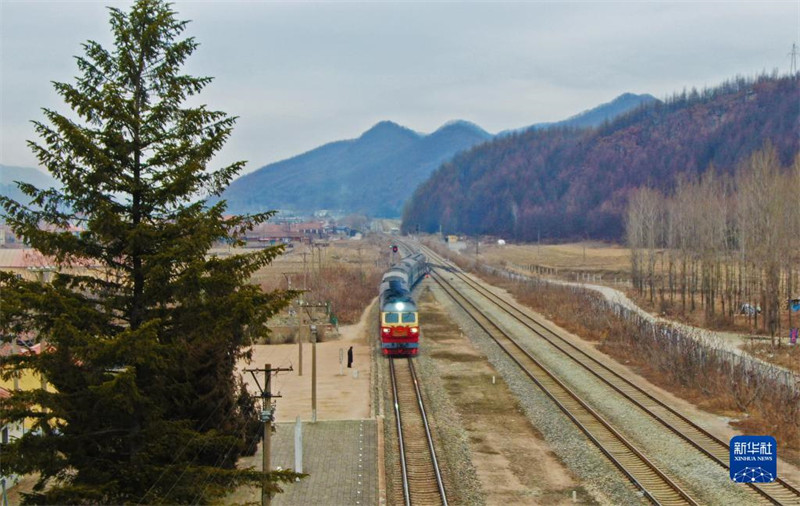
(422, 479)
(777, 492)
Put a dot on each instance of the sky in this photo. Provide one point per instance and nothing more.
(302, 74)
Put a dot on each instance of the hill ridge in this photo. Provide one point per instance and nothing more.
(372, 174)
(573, 184)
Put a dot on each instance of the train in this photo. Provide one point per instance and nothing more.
(399, 317)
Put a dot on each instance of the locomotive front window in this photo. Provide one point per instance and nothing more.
(409, 317)
(391, 317)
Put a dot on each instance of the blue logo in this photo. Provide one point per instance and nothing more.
(754, 459)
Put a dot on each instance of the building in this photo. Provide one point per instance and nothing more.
(29, 380)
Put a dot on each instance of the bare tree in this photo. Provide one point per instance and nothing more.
(645, 230)
(761, 214)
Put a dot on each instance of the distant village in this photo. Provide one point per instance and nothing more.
(285, 228)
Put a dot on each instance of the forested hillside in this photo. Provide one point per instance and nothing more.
(569, 183)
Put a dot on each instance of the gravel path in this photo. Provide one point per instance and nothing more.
(458, 473)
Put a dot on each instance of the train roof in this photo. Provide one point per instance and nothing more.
(395, 291)
(399, 304)
(394, 274)
(394, 288)
(394, 285)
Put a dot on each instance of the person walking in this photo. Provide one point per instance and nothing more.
(350, 358)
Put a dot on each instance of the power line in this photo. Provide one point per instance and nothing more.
(210, 477)
(793, 54)
(169, 467)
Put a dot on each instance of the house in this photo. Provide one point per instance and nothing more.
(30, 264)
(29, 380)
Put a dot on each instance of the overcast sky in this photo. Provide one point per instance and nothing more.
(300, 75)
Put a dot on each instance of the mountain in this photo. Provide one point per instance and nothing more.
(376, 173)
(9, 174)
(593, 117)
(565, 183)
(373, 174)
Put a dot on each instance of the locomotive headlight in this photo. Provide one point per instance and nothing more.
(414, 330)
(400, 306)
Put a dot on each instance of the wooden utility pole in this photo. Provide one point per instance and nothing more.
(305, 271)
(299, 352)
(267, 417)
(314, 381)
(313, 373)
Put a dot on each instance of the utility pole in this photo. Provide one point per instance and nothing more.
(297, 323)
(360, 266)
(305, 271)
(793, 54)
(267, 417)
(299, 352)
(313, 373)
(539, 243)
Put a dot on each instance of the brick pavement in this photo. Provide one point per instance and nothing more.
(340, 456)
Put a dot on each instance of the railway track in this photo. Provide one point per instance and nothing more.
(778, 492)
(422, 480)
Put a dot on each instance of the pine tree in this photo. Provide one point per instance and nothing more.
(140, 343)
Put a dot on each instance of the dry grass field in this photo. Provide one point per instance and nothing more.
(299, 265)
(591, 260)
(584, 256)
(341, 273)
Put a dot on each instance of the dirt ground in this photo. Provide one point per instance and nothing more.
(339, 396)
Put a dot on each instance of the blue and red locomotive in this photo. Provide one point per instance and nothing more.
(399, 318)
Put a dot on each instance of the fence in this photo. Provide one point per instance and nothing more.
(593, 277)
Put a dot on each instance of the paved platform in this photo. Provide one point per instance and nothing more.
(341, 457)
